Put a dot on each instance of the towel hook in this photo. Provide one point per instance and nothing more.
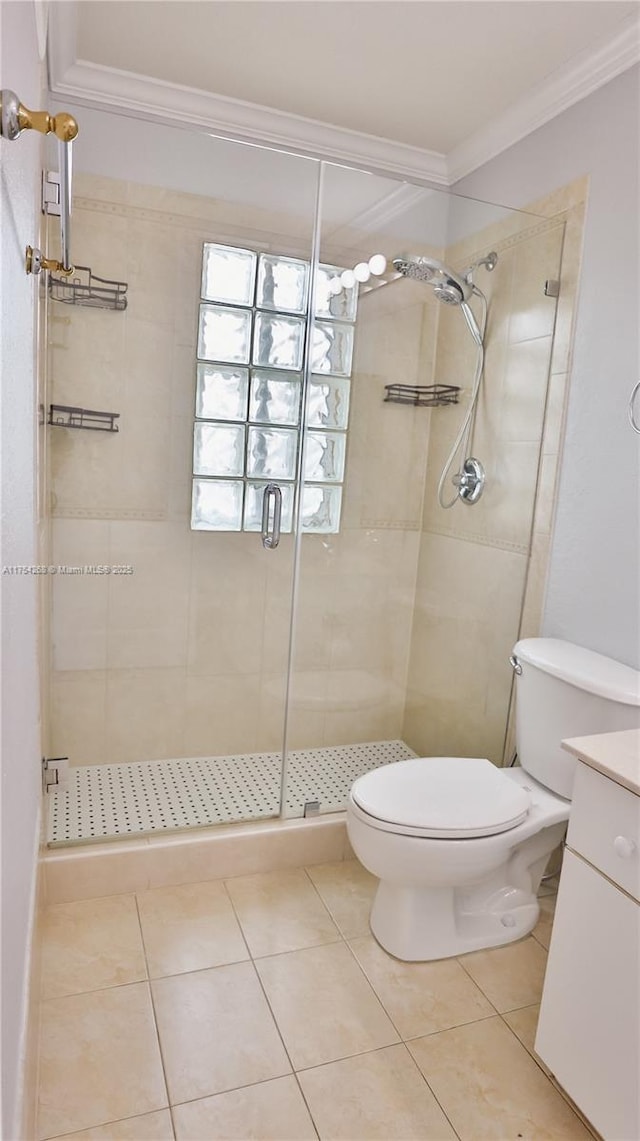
(16, 118)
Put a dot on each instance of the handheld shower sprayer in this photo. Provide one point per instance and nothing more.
(454, 288)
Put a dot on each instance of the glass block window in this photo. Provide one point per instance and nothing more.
(251, 339)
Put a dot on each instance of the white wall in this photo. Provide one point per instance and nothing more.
(593, 592)
(19, 177)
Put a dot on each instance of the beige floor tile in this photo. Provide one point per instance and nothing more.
(347, 890)
(550, 886)
(377, 1095)
(510, 976)
(491, 1089)
(189, 928)
(524, 1023)
(280, 911)
(216, 1032)
(421, 998)
(323, 1005)
(91, 944)
(270, 1111)
(544, 926)
(149, 1127)
(99, 1060)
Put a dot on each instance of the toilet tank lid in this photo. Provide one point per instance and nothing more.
(587, 670)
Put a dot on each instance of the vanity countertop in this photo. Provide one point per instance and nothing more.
(616, 755)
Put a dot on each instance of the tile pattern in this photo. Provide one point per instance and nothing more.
(319, 1033)
(155, 796)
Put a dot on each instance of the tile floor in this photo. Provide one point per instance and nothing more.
(261, 1007)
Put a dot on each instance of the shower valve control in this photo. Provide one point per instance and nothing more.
(470, 481)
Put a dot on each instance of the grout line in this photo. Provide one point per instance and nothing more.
(277, 1025)
(459, 960)
(552, 1081)
(324, 904)
(104, 1124)
(446, 1029)
(237, 918)
(402, 1041)
(432, 1091)
(155, 1021)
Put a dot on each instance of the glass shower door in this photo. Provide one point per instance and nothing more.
(406, 611)
(169, 674)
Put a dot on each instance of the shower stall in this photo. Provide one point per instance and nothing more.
(297, 546)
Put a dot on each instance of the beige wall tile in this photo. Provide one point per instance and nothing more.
(84, 1080)
(421, 998)
(569, 285)
(79, 601)
(216, 1032)
(145, 714)
(462, 619)
(222, 715)
(148, 610)
(536, 584)
(524, 390)
(189, 928)
(546, 497)
(375, 1095)
(228, 595)
(489, 1087)
(510, 976)
(272, 1111)
(280, 911)
(555, 411)
(537, 259)
(79, 716)
(90, 945)
(324, 1006)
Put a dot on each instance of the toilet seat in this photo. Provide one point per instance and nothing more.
(450, 798)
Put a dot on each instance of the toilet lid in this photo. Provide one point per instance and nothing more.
(442, 797)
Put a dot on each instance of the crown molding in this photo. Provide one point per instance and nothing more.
(110, 89)
(125, 92)
(583, 75)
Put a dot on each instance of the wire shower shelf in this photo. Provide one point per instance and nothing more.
(422, 396)
(85, 288)
(66, 416)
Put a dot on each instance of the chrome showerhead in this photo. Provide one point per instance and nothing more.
(449, 292)
(416, 267)
(448, 286)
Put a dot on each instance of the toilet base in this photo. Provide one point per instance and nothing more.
(419, 924)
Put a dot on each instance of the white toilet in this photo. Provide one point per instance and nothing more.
(459, 845)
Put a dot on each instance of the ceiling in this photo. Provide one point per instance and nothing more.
(429, 73)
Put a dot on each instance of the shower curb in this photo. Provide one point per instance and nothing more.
(121, 866)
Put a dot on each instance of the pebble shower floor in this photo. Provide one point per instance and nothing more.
(105, 801)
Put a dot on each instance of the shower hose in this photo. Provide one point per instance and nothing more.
(464, 435)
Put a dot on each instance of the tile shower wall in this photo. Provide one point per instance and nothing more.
(473, 561)
(356, 589)
(187, 656)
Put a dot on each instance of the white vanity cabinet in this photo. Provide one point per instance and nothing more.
(589, 1027)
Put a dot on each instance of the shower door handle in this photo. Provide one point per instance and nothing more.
(271, 537)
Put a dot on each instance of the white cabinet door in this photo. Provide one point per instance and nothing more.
(589, 1027)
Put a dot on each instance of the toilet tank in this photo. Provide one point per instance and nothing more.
(563, 690)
